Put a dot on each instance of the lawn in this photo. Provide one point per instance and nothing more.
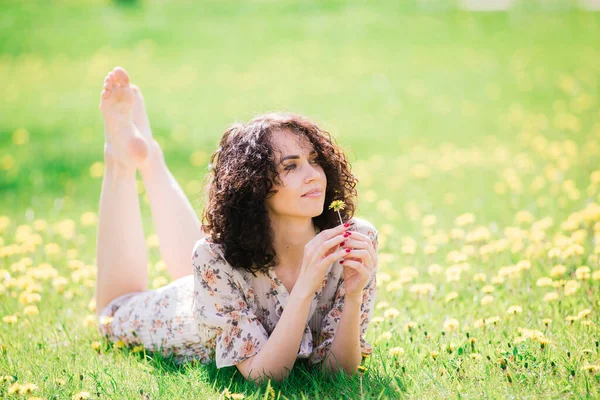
(475, 137)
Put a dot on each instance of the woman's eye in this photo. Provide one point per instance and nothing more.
(291, 166)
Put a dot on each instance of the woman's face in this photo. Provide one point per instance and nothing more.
(300, 174)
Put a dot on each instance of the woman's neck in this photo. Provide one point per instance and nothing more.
(290, 237)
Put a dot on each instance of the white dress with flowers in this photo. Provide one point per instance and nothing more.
(224, 314)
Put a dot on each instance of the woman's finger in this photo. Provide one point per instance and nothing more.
(360, 237)
(358, 266)
(364, 256)
(358, 244)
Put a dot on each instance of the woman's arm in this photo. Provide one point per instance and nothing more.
(277, 357)
(345, 349)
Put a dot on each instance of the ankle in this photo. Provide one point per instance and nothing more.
(113, 166)
(155, 160)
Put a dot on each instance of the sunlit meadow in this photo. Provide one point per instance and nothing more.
(475, 138)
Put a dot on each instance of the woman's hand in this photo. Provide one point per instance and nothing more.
(319, 254)
(359, 264)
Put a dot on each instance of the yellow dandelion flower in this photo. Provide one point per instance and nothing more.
(410, 326)
(450, 296)
(488, 289)
(159, 282)
(558, 270)
(548, 297)
(451, 324)
(81, 396)
(434, 354)
(104, 320)
(584, 313)
(27, 388)
(583, 273)
(480, 277)
(119, 344)
(547, 321)
(544, 281)
(338, 205)
(377, 320)
(475, 356)
(592, 369)
(31, 311)
(14, 388)
(137, 349)
(396, 351)
(10, 319)
(391, 313)
(596, 275)
(96, 345)
(514, 310)
(485, 300)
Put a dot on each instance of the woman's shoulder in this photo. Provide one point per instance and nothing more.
(207, 252)
(363, 226)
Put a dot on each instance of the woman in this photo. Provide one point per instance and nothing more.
(275, 276)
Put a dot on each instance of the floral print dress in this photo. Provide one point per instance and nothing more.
(227, 315)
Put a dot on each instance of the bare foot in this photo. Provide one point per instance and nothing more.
(123, 141)
(140, 120)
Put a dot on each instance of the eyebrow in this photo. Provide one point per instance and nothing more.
(294, 157)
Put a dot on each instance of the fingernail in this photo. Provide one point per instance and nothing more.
(343, 243)
(341, 261)
(348, 233)
(347, 224)
(348, 250)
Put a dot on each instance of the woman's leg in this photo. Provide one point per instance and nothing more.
(121, 248)
(175, 220)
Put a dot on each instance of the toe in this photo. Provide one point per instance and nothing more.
(105, 93)
(121, 76)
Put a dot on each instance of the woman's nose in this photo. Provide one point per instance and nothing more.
(313, 173)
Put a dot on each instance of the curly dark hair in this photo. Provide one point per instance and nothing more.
(243, 173)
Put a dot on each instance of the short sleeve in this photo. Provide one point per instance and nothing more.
(220, 307)
(332, 319)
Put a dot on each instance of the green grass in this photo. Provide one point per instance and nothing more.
(442, 113)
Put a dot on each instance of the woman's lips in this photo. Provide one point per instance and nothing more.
(313, 194)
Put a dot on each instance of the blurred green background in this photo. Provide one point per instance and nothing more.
(390, 80)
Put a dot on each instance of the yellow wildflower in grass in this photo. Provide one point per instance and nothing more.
(28, 388)
(96, 345)
(451, 324)
(14, 388)
(584, 313)
(104, 320)
(391, 313)
(396, 351)
(592, 369)
(410, 326)
(119, 344)
(159, 282)
(496, 280)
(480, 277)
(137, 349)
(571, 288)
(81, 396)
(547, 321)
(450, 296)
(583, 273)
(488, 289)
(596, 275)
(434, 269)
(7, 378)
(558, 270)
(514, 310)
(475, 356)
(571, 318)
(382, 304)
(378, 320)
(422, 288)
(384, 336)
(544, 281)
(31, 311)
(10, 319)
(464, 219)
(60, 382)
(485, 300)
(89, 218)
(548, 297)
(29, 298)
